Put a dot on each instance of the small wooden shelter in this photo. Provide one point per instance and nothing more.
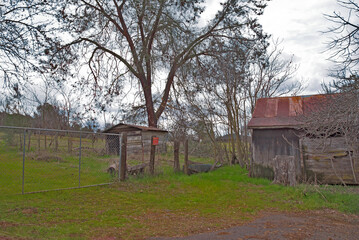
(138, 138)
(275, 128)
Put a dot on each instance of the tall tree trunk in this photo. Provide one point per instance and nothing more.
(176, 147)
(147, 91)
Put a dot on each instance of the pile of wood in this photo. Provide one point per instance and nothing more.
(137, 169)
(131, 170)
(196, 167)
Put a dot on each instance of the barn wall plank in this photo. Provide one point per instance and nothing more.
(267, 144)
(329, 160)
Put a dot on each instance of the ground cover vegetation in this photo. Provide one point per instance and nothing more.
(55, 160)
(167, 204)
(203, 94)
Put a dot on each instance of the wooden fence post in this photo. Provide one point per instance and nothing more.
(123, 163)
(186, 157)
(176, 165)
(56, 142)
(38, 140)
(152, 157)
(69, 143)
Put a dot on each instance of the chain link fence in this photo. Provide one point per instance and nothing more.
(36, 160)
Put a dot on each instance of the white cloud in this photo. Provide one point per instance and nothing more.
(300, 24)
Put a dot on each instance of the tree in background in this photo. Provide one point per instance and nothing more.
(222, 90)
(272, 75)
(338, 114)
(127, 45)
(50, 116)
(135, 42)
(24, 38)
(344, 43)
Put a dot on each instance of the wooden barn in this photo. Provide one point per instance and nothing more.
(275, 135)
(138, 138)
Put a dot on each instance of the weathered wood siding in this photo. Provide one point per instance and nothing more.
(146, 140)
(138, 143)
(267, 144)
(328, 161)
(134, 142)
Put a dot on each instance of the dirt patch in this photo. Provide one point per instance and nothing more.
(48, 158)
(44, 157)
(176, 223)
(325, 224)
(10, 238)
(26, 211)
(29, 211)
(3, 227)
(8, 224)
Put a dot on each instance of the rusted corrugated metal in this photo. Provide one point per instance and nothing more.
(284, 112)
(274, 134)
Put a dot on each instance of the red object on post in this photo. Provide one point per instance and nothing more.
(155, 141)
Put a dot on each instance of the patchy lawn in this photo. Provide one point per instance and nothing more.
(165, 205)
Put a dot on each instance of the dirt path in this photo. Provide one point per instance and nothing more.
(326, 224)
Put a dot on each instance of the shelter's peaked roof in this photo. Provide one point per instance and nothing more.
(142, 128)
(280, 112)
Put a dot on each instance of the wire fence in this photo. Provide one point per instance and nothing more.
(46, 159)
(36, 160)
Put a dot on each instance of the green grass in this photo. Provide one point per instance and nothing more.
(167, 204)
(55, 171)
(143, 207)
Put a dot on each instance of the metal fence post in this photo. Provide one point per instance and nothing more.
(34, 148)
(119, 159)
(80, 161)
(23, 162)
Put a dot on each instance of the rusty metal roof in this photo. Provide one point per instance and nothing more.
(122, 127)
(281, 112)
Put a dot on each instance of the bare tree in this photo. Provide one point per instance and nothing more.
(344, 44)
(124, 40)
(336, 115)
(23, 38)
(272, 75)
(224, 87)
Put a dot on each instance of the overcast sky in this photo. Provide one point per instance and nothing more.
(299, 24)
